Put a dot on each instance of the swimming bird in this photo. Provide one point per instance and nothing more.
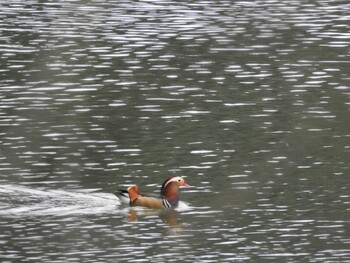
(169, 194)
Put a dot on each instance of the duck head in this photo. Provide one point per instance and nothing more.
(170, 189)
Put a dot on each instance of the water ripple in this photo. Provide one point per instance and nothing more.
(26, 201)
(248, 99)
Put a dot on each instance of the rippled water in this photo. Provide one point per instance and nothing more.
(249, 100)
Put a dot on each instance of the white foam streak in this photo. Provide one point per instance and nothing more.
(26, 201)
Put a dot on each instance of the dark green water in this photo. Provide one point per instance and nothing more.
(249, 101)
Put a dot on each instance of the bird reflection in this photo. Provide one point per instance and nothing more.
(167, 215)
(170, 217)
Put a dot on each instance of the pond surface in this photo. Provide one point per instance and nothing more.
(248, 100)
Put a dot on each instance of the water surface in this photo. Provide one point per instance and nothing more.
(249, 101)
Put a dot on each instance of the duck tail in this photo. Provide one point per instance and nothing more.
(123, 196)
(121, 192)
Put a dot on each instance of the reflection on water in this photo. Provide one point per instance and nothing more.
(248, 100)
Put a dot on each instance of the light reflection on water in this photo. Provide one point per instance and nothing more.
(248, 100)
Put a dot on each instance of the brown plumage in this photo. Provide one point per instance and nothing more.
(169, 194)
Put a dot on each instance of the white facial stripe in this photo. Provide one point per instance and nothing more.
(174, 179)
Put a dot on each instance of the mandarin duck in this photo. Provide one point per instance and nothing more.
(169, 194)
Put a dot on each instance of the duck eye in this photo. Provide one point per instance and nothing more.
(179, 180)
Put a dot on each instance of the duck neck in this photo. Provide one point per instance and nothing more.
(171, 193)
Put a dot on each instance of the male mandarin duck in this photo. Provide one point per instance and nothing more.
(169, 194)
